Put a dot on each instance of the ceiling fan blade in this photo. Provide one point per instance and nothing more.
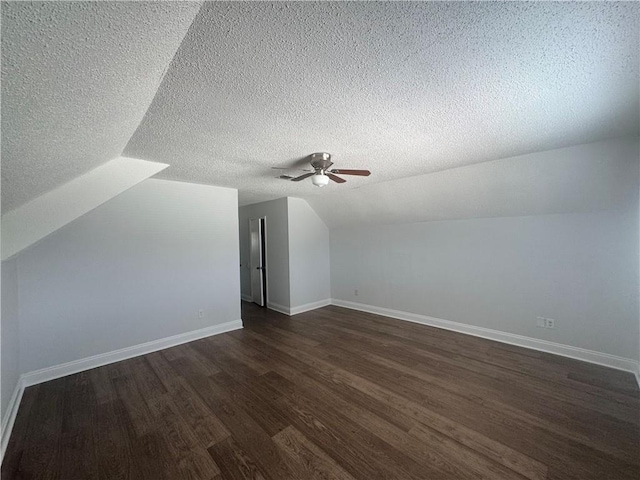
(302, 177)
(362, 173)
(335, 178)
(292, 169)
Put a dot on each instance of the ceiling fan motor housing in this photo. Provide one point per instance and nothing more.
(321, 161)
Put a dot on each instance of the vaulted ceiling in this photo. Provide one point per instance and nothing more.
(224, 91)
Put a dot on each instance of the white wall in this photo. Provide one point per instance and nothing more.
(309, 262)
(10, 346)
(501, 273)
(136, 269)
(277, 240)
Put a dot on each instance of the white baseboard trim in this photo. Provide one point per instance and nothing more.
(300, 308)
(309, 306)
(279, 308)
(591, 356)
(246, 298)
(10, 416)
(69, 368)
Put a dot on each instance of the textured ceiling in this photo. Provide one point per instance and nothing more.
(400, 88)
(77, 78)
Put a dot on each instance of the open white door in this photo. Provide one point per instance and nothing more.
(258, 272)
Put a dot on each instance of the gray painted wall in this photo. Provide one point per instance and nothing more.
(275, 212)
(308, 255)
(501, 273)
(10, 329)
(136, 269)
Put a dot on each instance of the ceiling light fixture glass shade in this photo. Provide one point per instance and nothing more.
(320, 180)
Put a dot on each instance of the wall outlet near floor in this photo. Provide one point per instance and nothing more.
(200, 313)
(544, 322)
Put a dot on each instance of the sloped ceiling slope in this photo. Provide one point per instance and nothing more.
(592, 177)
(77, 79)
(401, 88)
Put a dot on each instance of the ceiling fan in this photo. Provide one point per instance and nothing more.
(321, 163)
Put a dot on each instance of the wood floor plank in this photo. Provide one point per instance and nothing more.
(41, 452)
(548, 445)
(187, 453)
(197, 415)
(235, 463)
(496, 451)
(224, 361)
(283, 361)
(202, 421)
(440, 449)
(201, 364)
(550, 368)
(19, 437)
(113, 440)
(163, 370)
(137, 409)
(174, 353)
(374, 326)
(260, 407)
(413, 403)
(623, 408)
(102, 386)
(576, 423)
(248, 434)
(240, 354)
(551, 405)
(78, 450)
(331, 393)
(308, 460)
(478, 463)
(149, 384)
(340, 443)
(152, 458)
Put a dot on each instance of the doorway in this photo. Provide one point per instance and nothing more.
(258, 260)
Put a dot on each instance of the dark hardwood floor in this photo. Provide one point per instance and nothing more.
(332, 394)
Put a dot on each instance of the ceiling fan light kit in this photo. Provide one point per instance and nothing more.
(321, 162)
(320, 180)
